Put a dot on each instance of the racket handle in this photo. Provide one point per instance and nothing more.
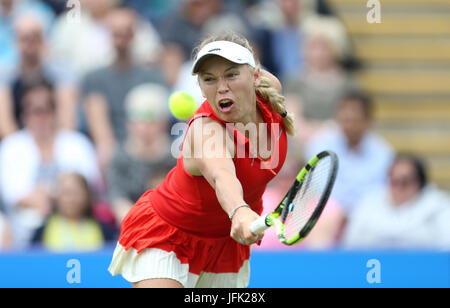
(259, 225)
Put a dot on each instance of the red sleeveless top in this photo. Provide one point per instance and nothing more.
(190, 203)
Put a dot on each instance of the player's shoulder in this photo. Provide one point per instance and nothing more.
(205, 123)
(205, 129)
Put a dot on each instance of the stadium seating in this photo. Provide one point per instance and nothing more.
(406, 61)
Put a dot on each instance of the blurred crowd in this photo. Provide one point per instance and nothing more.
(85, 130)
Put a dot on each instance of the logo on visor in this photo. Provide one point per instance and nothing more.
(215, 49)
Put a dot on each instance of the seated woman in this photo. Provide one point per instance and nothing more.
(72, 226)
(321, 84)
(32, 159)
(410, 213)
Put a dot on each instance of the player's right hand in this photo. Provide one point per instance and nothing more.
(240, 226)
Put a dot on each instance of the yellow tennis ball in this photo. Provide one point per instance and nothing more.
(182, 105)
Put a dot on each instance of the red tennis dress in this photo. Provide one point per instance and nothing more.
(183, 216)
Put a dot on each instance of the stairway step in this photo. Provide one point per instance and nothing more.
(408, 82)
(439, 171)
(427, 111)
(398, 24)
(391, 2)
(402, 49)
(424, 143)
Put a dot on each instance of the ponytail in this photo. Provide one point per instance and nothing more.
(266, 91)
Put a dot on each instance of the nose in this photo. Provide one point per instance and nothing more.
(222, 85)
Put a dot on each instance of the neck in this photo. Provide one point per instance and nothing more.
(324, 70)
(45, 146)
(354, 144)
(292, 21)
(122, 61)
(30, 65)
(43, 141)
(254, 116)
(146, 150)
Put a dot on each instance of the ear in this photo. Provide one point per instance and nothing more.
(257, 77)
(201, 89)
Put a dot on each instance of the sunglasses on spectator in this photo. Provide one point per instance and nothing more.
(402, 181)
(39, 111)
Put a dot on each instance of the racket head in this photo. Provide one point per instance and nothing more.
(303, 204)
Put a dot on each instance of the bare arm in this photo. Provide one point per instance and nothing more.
(8, 123)
(100, 128)
(120, 208)
(67, 107)
(208, 152)
(6, 240)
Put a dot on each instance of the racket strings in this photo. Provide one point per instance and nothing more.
(307, 198)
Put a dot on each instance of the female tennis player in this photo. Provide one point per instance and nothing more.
(193, 230)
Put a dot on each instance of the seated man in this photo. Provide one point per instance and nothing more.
(364, 156)
(33, 64)
(146, 151)
(105, 89)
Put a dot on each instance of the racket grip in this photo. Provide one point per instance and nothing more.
(259, 225)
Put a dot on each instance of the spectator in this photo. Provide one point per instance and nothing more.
(10, 10)
(32, 158)
(364, 156)
(58, 6)
(34, 64)
(72, 226)
(193, 16)
(281, 38)
(145, 151)
(153, 10)
(93, 47)
(323, 83)
(104, 90)
(90, 49)
(409, 212)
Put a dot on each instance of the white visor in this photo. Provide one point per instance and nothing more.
(225, 49)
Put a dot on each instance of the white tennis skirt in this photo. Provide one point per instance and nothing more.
(157, 263)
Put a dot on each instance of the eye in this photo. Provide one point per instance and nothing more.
(232, 74)
(208, 79)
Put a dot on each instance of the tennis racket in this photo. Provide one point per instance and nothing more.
(300, 209)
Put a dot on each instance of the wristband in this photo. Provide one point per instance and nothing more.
(236, 208)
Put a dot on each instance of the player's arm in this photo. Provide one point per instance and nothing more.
(208, 151)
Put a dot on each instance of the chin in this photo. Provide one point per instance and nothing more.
(229, 118)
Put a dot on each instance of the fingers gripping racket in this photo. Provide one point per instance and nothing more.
(300, 209)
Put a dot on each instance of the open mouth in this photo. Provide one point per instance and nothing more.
(226, 105)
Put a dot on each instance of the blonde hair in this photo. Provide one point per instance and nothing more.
(265, 89)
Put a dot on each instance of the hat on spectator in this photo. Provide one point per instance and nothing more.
(329, 28)
(146, 103)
